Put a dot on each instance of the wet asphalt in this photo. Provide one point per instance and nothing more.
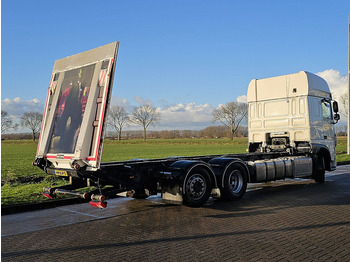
(296, 220)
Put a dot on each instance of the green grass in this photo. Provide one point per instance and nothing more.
(24, 183)
(19, 193)
(159, 148)
(17, 158)
(341, 150)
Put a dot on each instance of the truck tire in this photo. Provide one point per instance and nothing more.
(140, 194)
(320, 170)
(235, 182)
(197, 187)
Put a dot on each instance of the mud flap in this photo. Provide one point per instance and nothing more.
(98, 204)
(172, 193)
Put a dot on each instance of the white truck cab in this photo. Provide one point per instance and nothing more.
(293, 113)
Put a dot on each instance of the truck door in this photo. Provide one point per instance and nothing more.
(321, 123)
(328, 127)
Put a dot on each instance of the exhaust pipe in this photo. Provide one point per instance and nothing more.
(71, 193)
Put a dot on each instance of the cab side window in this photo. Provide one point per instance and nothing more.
(326, 109)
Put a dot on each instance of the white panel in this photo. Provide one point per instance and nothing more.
(302, 106)
(252, 110)
(276, 108)
(255, 124)
(277, 123)
(298, 121)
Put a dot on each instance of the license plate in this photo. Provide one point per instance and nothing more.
(61, 173)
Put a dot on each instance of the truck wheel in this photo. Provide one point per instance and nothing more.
(140, 194)
(197, 187)
(235, 182)
(319, 172)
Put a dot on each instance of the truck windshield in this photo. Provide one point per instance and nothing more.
(70, 109)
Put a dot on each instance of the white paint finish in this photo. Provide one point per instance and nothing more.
(293, 105)
(287, 86)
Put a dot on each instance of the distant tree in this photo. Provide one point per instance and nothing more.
(32, 120)
(118, 118)
(176, 133)
(344, 100)
(154, 134)
(215, 132)
(231, 114)
(7, 122)
(165, 134)
(242, 131)
(144, 116)
(341, 130)
(186, 134)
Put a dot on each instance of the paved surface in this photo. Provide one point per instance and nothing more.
(290, 220)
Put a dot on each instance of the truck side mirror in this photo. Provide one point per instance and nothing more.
(336, 117)
(335, 107)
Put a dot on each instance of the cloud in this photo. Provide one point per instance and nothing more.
(337, 82)
(119, 101)
(17, 107)
(175, 116)
(338, 85)
(242, 99)
(187, 113)
(142, 101)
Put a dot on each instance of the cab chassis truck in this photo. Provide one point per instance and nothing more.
(291, 135)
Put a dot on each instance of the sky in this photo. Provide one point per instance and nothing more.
(184, 57)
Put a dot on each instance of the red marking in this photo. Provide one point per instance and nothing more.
(98, 204)
(103, 112)
(47, 195)
(53, 86)
(102, 77)
(43, 122)
(55, 156)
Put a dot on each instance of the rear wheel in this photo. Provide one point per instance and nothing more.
(140, 194)
(235, 182)
(320, 170)
(197, 187)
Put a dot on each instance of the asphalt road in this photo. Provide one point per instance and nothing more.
(295, 220)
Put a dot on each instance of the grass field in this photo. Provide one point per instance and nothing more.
(23, 183)
(114, 150)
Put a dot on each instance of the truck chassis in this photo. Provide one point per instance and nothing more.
(191, 180)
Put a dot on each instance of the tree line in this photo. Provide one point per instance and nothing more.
(208, 132)
(229, 115)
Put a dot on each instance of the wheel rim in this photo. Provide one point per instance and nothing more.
(195, 186)
(235, 181)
